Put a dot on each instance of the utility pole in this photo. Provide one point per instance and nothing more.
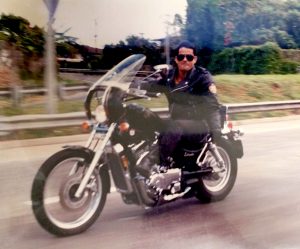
(96, 36)
(167, 42)
(50, 74)
(167, 48)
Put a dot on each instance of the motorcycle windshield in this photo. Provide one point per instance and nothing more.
(122, 75)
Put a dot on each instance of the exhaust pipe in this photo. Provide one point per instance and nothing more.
(195, 174)
(142, 193)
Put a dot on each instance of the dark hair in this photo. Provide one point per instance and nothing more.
(185, 44)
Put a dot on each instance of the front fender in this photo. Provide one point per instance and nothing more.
(104, 174)
(79, 147)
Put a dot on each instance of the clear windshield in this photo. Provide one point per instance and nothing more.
(123, 73)
(119, 77)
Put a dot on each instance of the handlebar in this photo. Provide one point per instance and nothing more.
(135, 93)
(139, 93)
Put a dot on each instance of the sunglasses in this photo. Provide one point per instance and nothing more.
(189, 57)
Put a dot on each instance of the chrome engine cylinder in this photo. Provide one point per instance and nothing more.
(163, 181)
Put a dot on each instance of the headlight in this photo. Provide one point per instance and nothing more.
(100, 114)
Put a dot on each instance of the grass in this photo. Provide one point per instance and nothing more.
(32, 105)
(257, 88)
(231, 89)
(40, 133)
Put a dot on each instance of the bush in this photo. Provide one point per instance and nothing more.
(289, 67)
(265, 59)
(223, 62)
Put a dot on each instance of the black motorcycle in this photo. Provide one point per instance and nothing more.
(70, 188)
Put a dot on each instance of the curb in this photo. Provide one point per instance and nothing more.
(43, 141)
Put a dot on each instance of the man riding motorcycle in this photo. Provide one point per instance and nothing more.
(124, 135)
(192, 99)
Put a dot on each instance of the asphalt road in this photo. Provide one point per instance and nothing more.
(262, 211)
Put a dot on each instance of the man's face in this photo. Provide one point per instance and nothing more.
(185, 59)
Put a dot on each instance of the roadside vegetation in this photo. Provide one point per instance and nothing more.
(231, 89)
(257, 88)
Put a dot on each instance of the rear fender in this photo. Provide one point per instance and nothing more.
(233, 146)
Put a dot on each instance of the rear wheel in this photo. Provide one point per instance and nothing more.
(53, 193)
(217, 185)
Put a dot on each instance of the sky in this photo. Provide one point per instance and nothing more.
(111, 20)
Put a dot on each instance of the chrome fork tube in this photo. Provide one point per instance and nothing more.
(95, 161)
(91, 137)
(87, 145)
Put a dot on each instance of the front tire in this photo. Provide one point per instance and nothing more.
(53, 202)
(216, 186)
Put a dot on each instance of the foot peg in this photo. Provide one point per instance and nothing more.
(175, 196)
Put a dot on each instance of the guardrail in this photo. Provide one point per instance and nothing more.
(96, 71)
(18, 90)
(43, 121)
(21, 91)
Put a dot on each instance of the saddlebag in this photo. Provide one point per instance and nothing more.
(237, 147)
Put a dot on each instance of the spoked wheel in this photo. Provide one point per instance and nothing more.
(217, 185)
(54, 203)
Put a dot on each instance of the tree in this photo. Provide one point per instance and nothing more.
(26, 39)
(112, 54)
(284, 40)
(29, 40)
(216, 24)
(14, 24)
(66, 50)
(204, 24)
(293, 25)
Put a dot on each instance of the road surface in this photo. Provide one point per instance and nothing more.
(262, 211)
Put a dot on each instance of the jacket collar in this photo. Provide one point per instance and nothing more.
(186, 81)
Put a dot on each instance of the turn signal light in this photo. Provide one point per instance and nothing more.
(125, 162)
(229, 123)
(86, 126)
(124, 126)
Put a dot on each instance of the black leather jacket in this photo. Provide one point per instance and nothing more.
(191, 99)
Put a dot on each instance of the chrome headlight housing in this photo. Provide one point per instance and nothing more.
(100, 115)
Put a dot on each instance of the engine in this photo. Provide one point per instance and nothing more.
(168, 181)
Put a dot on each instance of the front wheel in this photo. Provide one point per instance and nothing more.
(216, 186)
(53, 193)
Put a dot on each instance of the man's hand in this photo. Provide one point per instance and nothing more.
(213, 89)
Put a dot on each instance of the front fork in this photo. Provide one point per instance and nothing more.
(95, 161)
